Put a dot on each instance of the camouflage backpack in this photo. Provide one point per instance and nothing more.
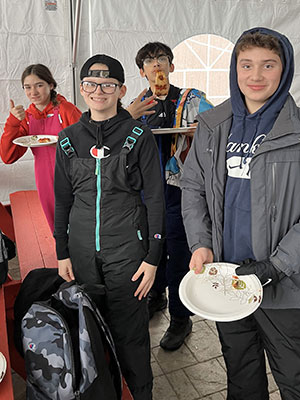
(69, 352)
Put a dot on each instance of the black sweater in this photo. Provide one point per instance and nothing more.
(143, 174)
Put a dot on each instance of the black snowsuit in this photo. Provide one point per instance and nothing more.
(108, 219)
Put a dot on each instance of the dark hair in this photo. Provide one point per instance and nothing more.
(119, 105)
(153, 49)
(258, 39)
(43, 73)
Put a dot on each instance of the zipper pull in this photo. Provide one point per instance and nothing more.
(274, 212)
(77, 395)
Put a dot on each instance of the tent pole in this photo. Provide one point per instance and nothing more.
(90, 29)
(75, 38)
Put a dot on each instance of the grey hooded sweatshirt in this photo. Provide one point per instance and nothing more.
(274, 189)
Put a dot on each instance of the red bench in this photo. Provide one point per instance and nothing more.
(23, 222)
(36, 249)
(8, 293)
(34, 240)
(6, 224)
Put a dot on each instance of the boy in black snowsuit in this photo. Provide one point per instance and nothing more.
(105, 233)
(178, 109)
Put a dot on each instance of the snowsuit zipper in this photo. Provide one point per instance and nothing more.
(98, 199)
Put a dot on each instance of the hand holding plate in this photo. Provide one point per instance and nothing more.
(201, 256)
(192, 130)
(264, 270)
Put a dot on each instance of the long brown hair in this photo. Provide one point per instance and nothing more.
(43, 73)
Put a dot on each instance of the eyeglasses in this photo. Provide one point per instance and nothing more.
(161, 60)
(107, 88)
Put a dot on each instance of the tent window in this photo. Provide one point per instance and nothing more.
(202, 62)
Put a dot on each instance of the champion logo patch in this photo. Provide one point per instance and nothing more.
(103, 152)
(157, 236)
(32, 346)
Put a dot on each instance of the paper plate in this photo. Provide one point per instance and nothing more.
(219, 294)
(161, 131)
(35, 140)
(2, 366)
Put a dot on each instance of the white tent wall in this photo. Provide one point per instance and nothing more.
(118, 28)
(31, 31)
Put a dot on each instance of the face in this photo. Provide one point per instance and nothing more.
(156, 64)
(38, 91)
(259, 73)
(102, 106)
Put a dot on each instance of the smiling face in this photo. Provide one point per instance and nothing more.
(37, 90)
(258, 73)
(102, 106)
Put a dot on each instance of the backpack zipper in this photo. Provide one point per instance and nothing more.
(75, 390)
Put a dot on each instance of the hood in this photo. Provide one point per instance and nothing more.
(37, 114)
(102, 130)
(277, 100)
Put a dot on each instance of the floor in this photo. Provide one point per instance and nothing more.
(195, 371)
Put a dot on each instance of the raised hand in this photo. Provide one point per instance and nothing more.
(141, 107)
(16, 111)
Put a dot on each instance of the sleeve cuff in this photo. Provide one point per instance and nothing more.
(155, 251)
(62, 250)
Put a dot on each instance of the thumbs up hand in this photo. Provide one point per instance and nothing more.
(17, 111)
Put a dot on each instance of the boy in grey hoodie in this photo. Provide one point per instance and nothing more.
(241, 204)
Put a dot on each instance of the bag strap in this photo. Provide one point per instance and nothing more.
(179, 108)
(178, 118)
(66, 146)
(131, 139)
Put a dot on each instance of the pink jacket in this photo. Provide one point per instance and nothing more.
(50, 121)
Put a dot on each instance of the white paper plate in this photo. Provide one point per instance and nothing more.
(219, 294)
(161, 131)
(3, 365)
(35, 140)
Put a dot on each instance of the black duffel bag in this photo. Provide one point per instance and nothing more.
(7, 252)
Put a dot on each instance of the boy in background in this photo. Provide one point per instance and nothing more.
(177, 109)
